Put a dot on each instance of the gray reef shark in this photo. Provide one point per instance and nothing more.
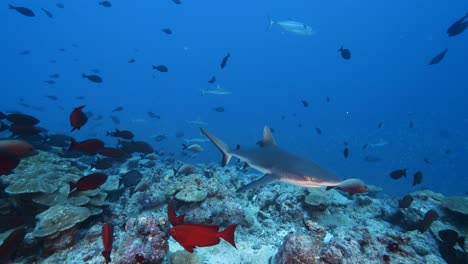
(276, 164)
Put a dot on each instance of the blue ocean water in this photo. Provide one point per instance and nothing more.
(387, 80)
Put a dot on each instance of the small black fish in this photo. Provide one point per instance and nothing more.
(160, 138)
(365, 146)
(397, 174)
(153, 115)
(448, 151)
(345, 153)
(451, 237)
(102, 164)
(94, 78)
(24, 52)
(118, 109)
(59, 5)
(427, 161)
(167, 31)
(327, 99)
(160, 68)
(380, 125)
(23, 10)
(438, 58)
(49, 14)
(372, 159)
(225, 60)
(318, 130)
(458, 27)
(218, 109)
(212, 80)
(345, 53)
(52, 97)
(177, 2)
(131, 60)
(405, 202)
(411, 124)
(105, 3)
(80, 98)
(54, 76)
(417, 178)
(305, 103)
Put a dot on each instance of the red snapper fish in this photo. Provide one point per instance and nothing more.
(107, 239)
(90, 182)
(190, 236)
(78, 118)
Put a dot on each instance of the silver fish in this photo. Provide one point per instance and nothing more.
(217, 91)
(292, 26)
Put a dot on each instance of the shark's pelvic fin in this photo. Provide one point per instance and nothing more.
(220, 145)
(267, 137)
(257, 183)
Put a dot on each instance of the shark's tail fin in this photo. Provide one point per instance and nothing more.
(270, 22)
(220, 145)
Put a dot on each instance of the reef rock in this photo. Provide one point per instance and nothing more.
(192, 189)
(43, 173)
(457, 204)
(320, 199)
(297, 248)
(145, 236)
(59, 218)
(184, 257)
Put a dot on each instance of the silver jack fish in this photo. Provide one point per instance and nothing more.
(294, 27)
(276, 164)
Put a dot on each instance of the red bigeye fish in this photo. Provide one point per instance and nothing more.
(78, 118)
(107, 239)
(190, 236)
(351, 186)
(429, 217)
(90, 182)
(20, 147)
(405, 202)
(90, 146)
(173, 218)
(417, 178)
(8, 161)
(112, 152)
(10, 244)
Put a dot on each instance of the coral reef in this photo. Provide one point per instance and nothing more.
(144, 236)
(278, 223)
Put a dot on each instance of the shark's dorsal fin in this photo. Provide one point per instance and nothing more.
(268, 137)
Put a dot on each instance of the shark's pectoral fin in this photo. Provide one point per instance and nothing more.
(257, 183)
